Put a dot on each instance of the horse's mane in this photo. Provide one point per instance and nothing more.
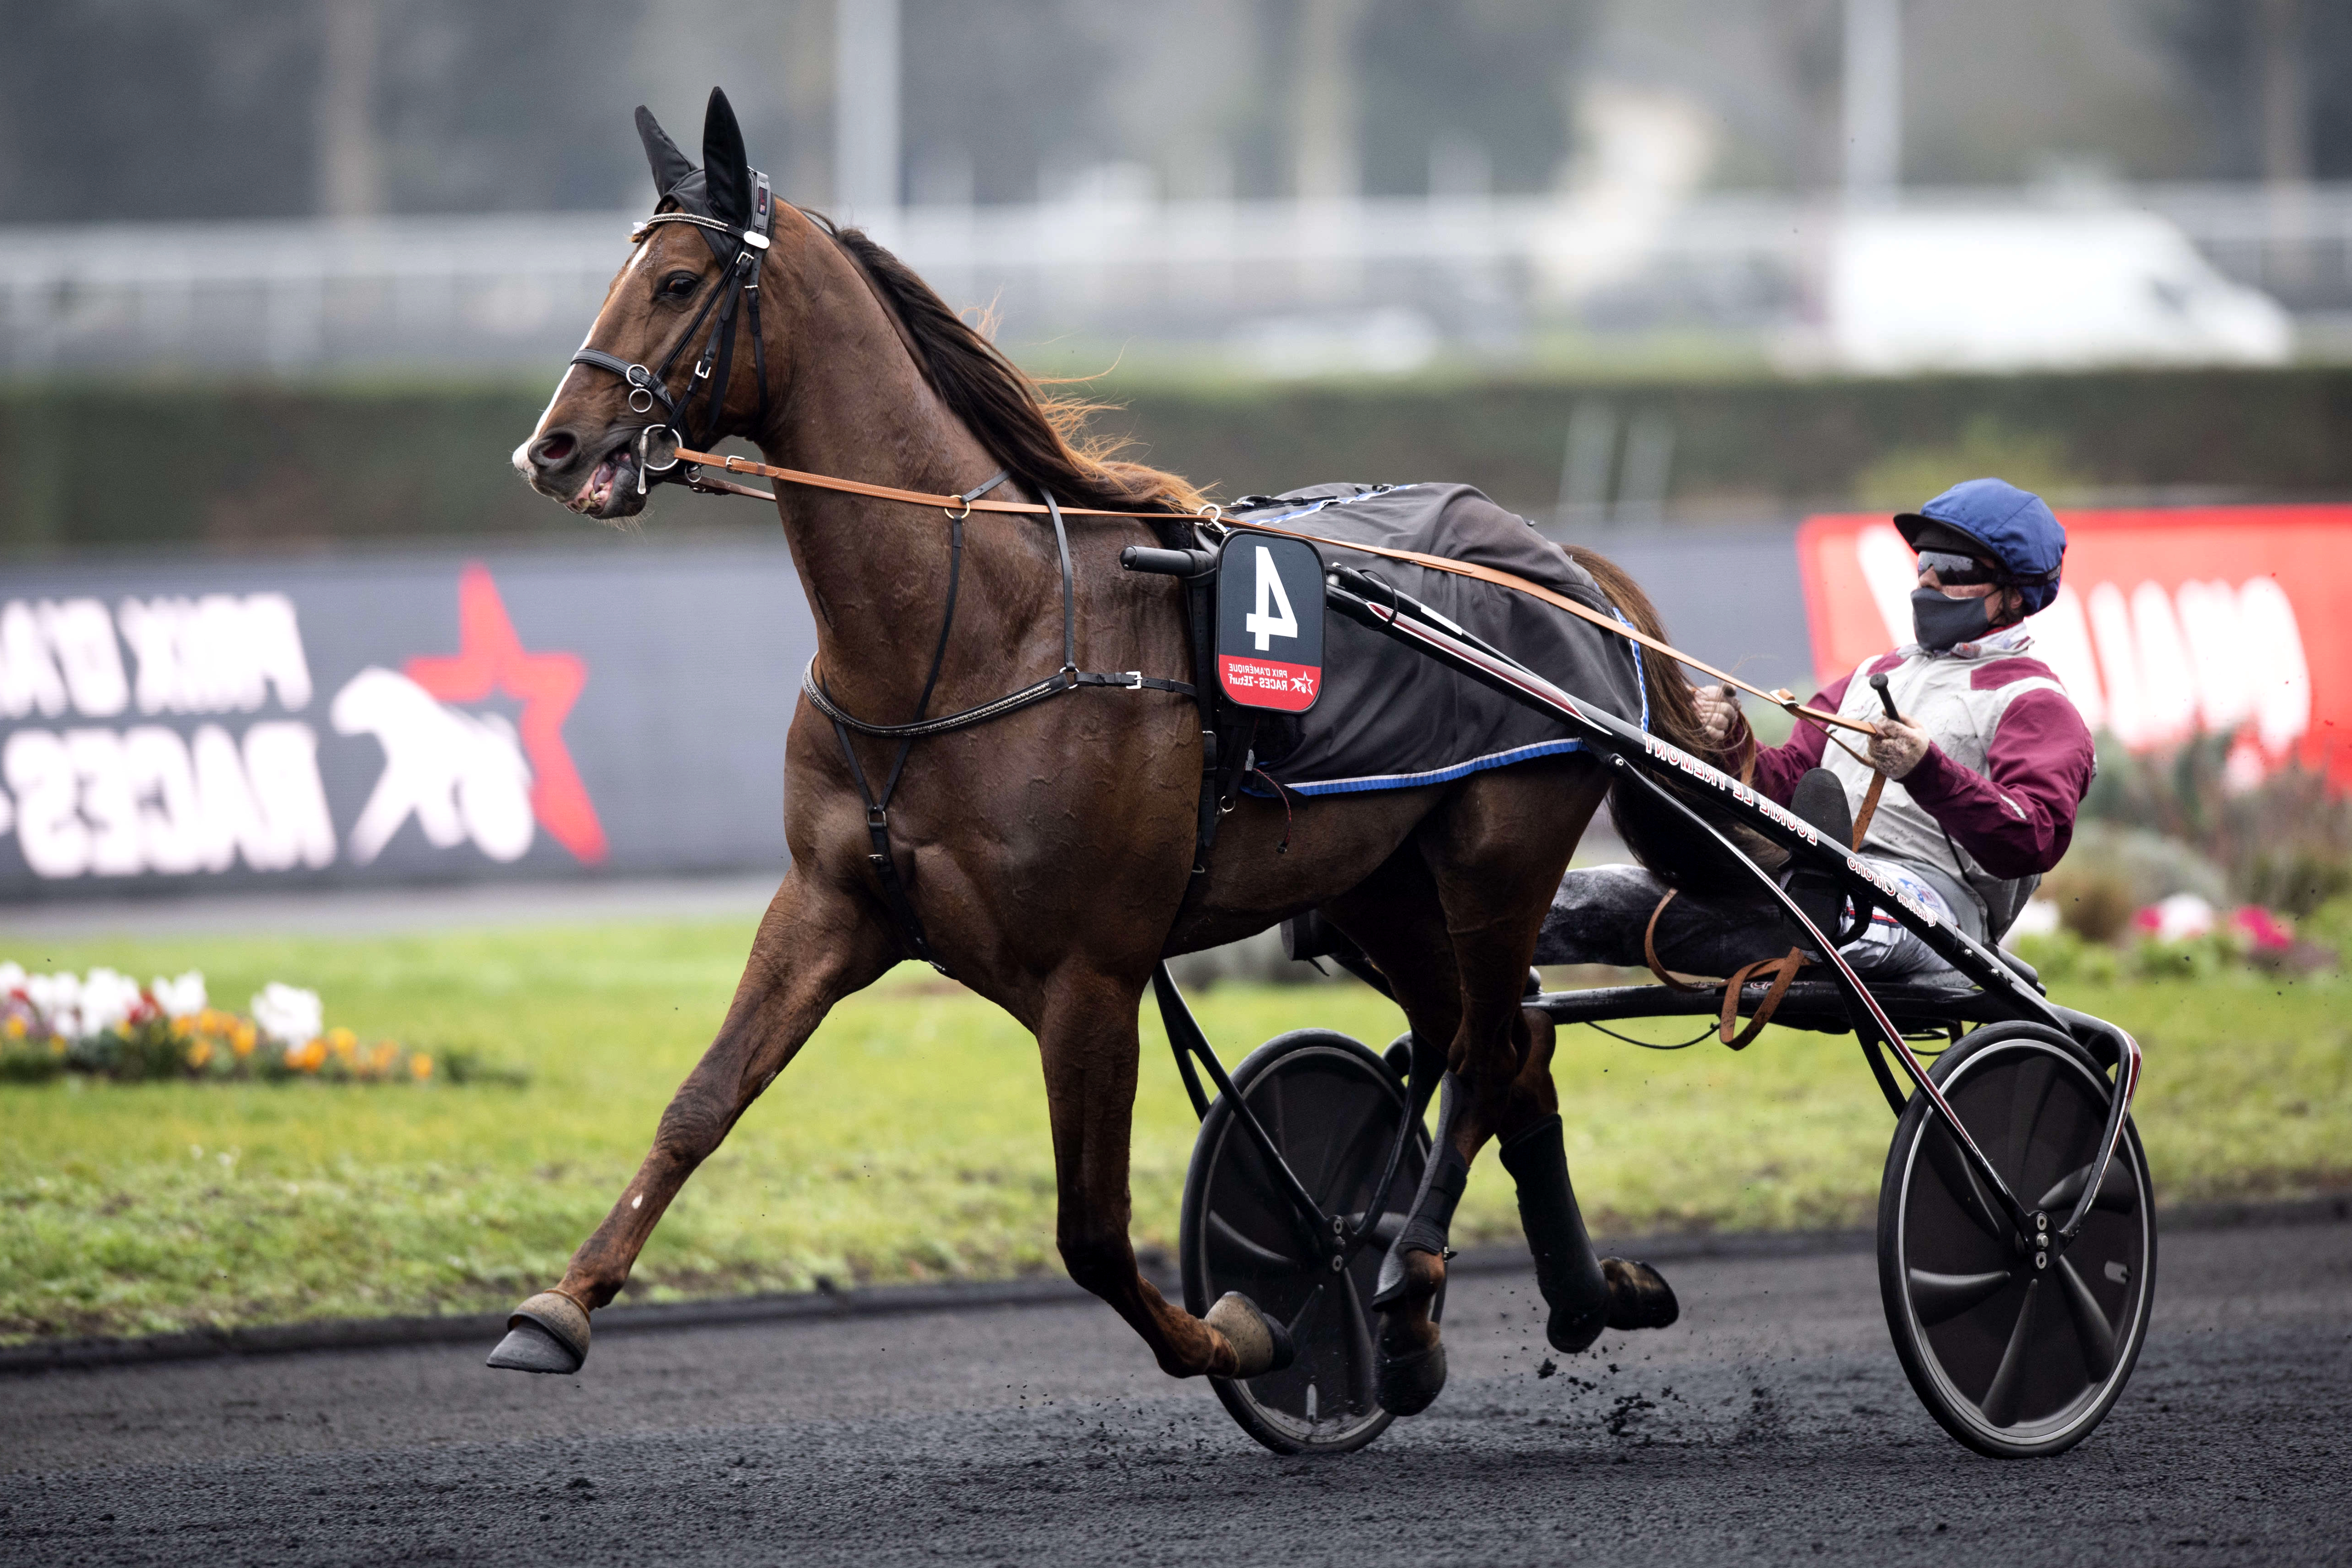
(1041, 437)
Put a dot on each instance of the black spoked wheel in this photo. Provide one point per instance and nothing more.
(2014, 1358)
(1332, 1109)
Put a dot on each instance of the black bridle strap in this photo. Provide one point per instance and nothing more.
(737, 281)
(1069, 590)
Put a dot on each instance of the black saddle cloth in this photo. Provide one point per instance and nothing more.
(1389, 718)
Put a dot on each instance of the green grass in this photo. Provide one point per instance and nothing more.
(909, 1140)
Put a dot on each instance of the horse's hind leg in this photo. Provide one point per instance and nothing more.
(814, 946)
(1494, 854)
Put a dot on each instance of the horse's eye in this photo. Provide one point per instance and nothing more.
(679, 286)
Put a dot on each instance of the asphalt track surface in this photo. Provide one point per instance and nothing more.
(1771, 1425)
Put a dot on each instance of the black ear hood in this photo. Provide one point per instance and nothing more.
(722, 189)
(727, 176)
(670, 166)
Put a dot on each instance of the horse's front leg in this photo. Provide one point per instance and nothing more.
(1088, 1042)
(814, 946)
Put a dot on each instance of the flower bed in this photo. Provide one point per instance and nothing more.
(106, 1024)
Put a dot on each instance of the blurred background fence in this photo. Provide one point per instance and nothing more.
(1665, 276)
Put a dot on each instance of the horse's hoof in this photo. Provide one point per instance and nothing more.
(547, 1333)
(1408, 1385)
(1572, 1334)
(1639, 1295)
(1262, 1344)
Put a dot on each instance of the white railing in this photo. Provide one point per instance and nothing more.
(1482, 275)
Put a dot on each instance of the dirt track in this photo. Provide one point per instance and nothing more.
(1772, 1425)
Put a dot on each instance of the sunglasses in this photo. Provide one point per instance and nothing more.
(1957, 571)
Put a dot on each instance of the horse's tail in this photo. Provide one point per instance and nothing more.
(1659, 838)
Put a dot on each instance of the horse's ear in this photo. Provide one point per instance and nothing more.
(726, 171)
(669, 164)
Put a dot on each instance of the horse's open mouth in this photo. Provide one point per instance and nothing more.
(611, 487)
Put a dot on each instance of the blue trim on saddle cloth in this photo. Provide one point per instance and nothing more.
(1476, 764)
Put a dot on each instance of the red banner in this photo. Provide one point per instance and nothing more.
(2214, 619)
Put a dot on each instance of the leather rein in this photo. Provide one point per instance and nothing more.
(958, 507)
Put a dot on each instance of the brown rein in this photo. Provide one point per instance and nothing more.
(950, 504)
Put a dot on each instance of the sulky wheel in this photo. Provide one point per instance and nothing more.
(2014, 1358)
(1333, 1110)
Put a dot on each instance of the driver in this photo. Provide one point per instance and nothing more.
(1985, 768)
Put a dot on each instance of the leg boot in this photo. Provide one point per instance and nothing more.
(1411, 1368)
(1569, 1275)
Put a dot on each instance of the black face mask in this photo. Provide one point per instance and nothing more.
(1941, 622)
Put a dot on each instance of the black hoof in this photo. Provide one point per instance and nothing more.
(1408, 1385)
(1639, 1295)
(1571, 1333)
(547, 1333)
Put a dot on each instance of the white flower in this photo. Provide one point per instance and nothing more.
(107, 1000)
(12, 977)
(181, 998)
(57, 1002)
(288, 1014)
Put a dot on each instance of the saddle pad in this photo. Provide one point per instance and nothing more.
(1392, 719)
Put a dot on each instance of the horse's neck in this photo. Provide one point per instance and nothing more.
(877, 571)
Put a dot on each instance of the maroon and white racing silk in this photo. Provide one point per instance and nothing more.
(2009, 758)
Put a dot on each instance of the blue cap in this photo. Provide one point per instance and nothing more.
(1993, 517)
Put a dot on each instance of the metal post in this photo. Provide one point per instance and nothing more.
(866, 108)
(1873, 101)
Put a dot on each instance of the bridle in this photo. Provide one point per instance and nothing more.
(736, 298)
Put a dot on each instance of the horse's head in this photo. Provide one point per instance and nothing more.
(659, 366)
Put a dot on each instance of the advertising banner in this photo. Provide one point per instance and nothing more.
(544, 712)
(2219, 620)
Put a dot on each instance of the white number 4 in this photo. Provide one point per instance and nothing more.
(1272, 617)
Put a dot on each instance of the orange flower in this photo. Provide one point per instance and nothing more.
(199, 1053)
(15, 1029)
(243, 1038)
(345, 1043)
(421, 1067)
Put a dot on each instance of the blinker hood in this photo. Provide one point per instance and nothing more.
(726, 188)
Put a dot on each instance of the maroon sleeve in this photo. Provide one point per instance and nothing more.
(2018, 818)
(1778, 768)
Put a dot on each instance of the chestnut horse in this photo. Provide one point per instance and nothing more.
(1048, 854)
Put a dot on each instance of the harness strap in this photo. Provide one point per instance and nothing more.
(1069, 678)
(1869, 810)
(1650, 951)
(1053, 685)
(1434, 562)
(885, 864)
(1783, 971)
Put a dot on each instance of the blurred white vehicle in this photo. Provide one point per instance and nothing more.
(1995, 291)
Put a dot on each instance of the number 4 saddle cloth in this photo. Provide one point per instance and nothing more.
(1389, 718)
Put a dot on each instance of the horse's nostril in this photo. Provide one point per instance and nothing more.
(555, 450)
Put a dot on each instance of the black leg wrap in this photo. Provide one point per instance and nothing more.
(1433, 1206)
(1569, 1275)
